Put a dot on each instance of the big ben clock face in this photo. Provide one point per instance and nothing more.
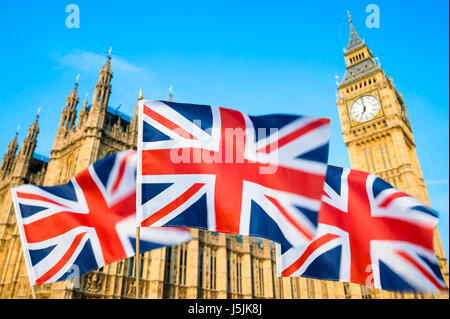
(365, 108)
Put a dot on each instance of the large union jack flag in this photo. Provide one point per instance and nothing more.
(71, 229)
(369, 233)
(219, 169)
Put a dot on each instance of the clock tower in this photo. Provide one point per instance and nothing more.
(376, 127)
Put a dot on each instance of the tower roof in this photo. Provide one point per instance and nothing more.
(358, 71)
(354, 41)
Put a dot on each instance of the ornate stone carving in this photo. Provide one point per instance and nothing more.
(94, 282)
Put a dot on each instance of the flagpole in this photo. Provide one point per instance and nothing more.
(33, 293)
(138, 262)
(138, 199)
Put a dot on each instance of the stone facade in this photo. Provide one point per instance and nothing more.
(211, 265)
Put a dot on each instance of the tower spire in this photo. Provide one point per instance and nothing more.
(74, 93)
(100, 99)
(170, 93)
(35, 125)
(30, 140)
(85, 100)
(358, 57)
(69, 111)
(354, 40)
(103, 87)
(83, 111)
(8, 158)
(13, 144)
(26, 152)
(107, 67)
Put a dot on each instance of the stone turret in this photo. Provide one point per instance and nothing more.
(133, 128)
(83, 114)
(101, 96)
(25, 154)
(69, 113)
(8, 159)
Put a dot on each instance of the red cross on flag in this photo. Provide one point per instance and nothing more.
(219, 169)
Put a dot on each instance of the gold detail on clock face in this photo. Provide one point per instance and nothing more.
(365, 108)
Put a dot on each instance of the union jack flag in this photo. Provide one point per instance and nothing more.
(85, 224)
(219, 169)
(369, 233)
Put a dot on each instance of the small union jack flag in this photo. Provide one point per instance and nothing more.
(85, 224)
(219, 169)
(369, 233)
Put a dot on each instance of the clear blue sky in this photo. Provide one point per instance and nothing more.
(255, 56)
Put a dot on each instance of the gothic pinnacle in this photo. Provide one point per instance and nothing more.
(35, 126)
(74, 93)
(107, 66)
(85, 100)
(14, 140)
